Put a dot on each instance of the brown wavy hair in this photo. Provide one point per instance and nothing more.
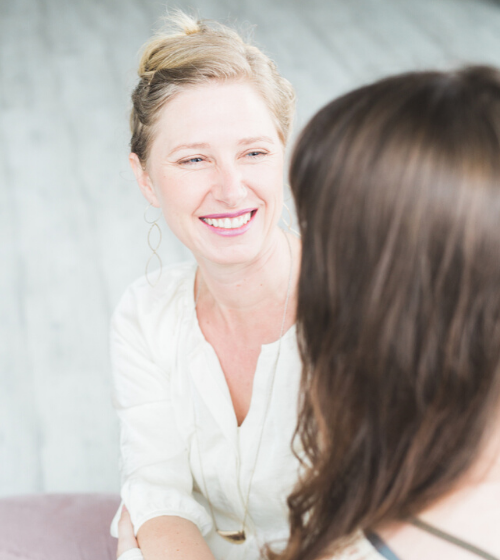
(397, 189)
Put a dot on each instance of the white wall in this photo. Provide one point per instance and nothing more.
(72, 235)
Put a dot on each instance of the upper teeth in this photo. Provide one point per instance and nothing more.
(228, 223)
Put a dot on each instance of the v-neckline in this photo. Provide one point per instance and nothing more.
(260, 385)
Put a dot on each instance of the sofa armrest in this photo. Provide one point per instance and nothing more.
(57, 527)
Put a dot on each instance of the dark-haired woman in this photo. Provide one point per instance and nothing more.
(397, 187)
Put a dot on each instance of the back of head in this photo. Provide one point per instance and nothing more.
(397, 189)
(191, 52)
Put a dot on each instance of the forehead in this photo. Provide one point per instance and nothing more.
(213, 113)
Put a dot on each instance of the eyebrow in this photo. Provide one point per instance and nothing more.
(242, 142)
(256, 139)
(188, 147)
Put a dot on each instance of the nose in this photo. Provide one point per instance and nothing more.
(229, 186)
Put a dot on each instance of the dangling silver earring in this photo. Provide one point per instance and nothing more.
(290, 221)
(154, 225)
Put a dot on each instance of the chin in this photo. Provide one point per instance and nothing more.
(235, 255)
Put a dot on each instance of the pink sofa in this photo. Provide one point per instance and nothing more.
(57, 527)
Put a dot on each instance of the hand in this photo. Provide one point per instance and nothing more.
(126, 537)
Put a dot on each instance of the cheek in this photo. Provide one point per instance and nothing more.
(178, 212)
(180, 197)
(268, 183)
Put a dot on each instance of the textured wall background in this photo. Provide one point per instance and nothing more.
(72, 235)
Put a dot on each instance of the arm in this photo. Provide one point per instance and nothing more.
(156, 475)
(128, 548)
(172, 538)
(163, 537)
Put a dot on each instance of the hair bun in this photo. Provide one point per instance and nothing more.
(189, 51)
(185, 23)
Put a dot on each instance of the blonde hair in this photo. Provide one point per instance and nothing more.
(192, 52)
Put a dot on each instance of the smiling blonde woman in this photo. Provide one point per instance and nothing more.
(206, 368)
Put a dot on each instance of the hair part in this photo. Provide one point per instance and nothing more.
(190, 53)
(397, 190)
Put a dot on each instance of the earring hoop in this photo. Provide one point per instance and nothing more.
(154, 254)
(150, 205)
(289, 223)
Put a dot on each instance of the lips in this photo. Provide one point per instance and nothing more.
(235, 223)
(228, 215)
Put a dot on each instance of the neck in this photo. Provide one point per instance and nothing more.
(481, 483)
(470, 511)
(245, 290)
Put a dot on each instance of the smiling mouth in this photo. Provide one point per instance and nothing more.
(230, 223)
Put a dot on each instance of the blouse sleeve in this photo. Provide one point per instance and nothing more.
(156, 475)
(132, 554)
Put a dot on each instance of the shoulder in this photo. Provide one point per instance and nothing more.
(359, 549)
(146, 320)
(143, 301)
(153, 314)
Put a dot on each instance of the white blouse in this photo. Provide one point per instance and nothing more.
(359, 550)
(168, 384)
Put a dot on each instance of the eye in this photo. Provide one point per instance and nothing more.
(256, 153)
(191, 161)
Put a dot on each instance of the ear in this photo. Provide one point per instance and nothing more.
(143, 180)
